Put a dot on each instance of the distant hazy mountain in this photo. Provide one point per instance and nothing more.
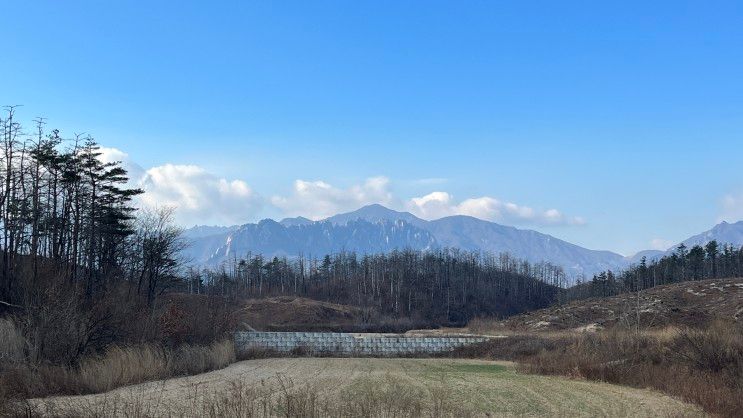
(648, 254)
(375, 229)
(476, 234)
(375, 213)
(470, 233)
(200, 231)
(271, 238)
(723, 233)
(204, 241)
(298, 221)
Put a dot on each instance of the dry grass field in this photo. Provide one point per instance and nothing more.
(368, 387)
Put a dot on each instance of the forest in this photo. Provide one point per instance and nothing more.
(445, 287)
(711, 261)
(79, 261)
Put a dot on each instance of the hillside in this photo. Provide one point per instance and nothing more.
(285, 313)
(681, 304)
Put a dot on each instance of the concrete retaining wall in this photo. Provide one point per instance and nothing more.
(350, 344)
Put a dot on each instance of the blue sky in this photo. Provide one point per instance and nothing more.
(612, 126)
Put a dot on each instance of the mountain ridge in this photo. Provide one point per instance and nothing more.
(376, 228)
(723, 232)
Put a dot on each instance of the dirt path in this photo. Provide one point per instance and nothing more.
(483, 387)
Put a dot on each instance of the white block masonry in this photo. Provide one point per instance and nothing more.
(350, 344)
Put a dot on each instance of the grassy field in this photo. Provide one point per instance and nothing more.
(368, 387)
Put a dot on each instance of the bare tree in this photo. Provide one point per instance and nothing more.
(158, 244)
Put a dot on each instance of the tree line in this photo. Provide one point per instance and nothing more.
(448, 286)
(710, 261)
(67, 215)
(76, 256)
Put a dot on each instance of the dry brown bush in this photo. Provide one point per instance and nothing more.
(193, 359)
(196, 319)
(118, 366)
(700, 366)
(12, 343)
(718, 349)
(513, 348)
(121, 366)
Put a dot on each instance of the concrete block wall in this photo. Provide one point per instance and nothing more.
(350, 344)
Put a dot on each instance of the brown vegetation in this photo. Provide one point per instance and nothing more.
(694, 304)
(118, 366)
(702, 366)
(288, 312)
(446, 287)
(364, 398)
(60, 349)
(291, 313)
(369, 387)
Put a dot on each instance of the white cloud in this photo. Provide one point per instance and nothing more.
(438, 204)
(660, 244)
(199, 197)
(732, 208)
(431, 206)
(110, 155)
(318, 199)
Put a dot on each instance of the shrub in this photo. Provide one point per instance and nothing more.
(121, 366)
(118, 366)
(12, 344)
(700, 366)
(194, 359)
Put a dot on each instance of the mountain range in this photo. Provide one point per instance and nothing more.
(375, 229)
